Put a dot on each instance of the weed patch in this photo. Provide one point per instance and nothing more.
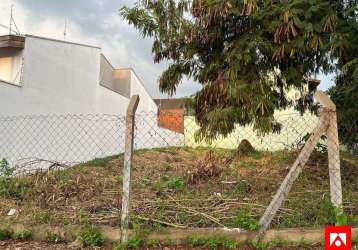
(176, 183)
(245, 221)
(43, 217)
(102, 162)
(24, 235)
(53, 238)
(215, 242)
(91, 236)
(11, 187)
(5, 234)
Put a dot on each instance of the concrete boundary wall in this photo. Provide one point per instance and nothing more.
(112, 234)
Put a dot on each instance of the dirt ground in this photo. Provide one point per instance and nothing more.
(179, 187)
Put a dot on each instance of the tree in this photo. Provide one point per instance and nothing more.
(346, 99)
(246, 54)
(345, 91)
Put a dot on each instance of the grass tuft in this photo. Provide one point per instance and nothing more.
(91, 236)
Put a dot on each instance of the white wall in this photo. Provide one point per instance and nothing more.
(146, 103)
(62, 78)
(11, 64)
(294, 127)
(59, 78)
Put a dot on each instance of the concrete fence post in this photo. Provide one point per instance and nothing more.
(333, 151)
(128, 155)
(327, 125)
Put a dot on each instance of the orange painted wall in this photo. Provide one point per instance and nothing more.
(172, 119)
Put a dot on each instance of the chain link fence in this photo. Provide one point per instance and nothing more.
(34, 142)
(176, 181)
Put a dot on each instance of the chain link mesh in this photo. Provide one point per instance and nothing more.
(176, 180)
(32, 142)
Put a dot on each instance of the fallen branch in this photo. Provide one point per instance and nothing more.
(160, 221)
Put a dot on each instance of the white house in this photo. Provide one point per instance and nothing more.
(46, 76)
(46, 88)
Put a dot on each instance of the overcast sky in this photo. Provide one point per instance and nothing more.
(96, 22)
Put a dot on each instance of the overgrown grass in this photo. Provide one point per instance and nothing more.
(214, 242)
(7, 233)
(280, 244)
(11, 187)
(102, 162)
(236, 197)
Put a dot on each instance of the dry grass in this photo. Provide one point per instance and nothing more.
(220, 190)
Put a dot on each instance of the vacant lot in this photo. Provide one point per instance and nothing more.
(181, 187)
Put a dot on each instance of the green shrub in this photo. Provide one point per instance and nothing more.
(245, 221)
(176, 183)
(24, 235)
(91, 236)
(330, 215)
(13, 188)
(5, 233)
(6, 171)
(167, 183)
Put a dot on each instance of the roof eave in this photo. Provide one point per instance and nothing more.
(12, 41)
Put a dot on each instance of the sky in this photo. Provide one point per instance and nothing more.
(97, 22)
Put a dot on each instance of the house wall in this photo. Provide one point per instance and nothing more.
(294, 128)
(117, 80)
(146, 104)
(61, 78)
(11, 64)
(122, 81)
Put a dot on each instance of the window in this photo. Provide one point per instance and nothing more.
(11, 66)
(5, 68)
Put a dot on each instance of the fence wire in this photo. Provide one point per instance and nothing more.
(32, 142)
(176, 181)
